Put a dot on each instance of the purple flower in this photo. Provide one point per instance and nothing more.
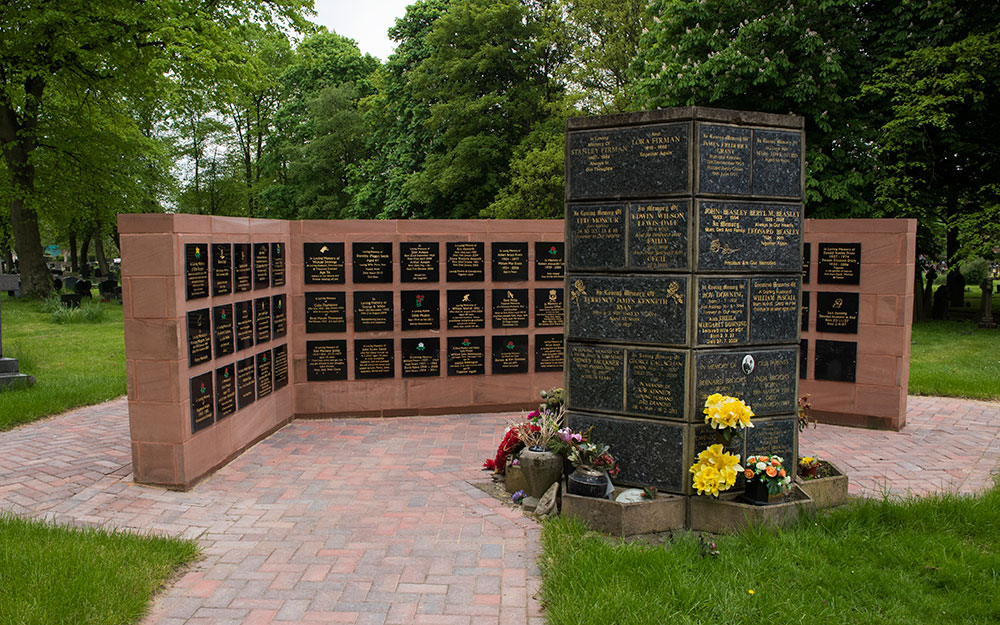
(518, 496)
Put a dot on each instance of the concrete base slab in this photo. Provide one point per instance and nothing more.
(724, 514)
(826, 492)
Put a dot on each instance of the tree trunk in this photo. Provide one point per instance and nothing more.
(8, 261)
(85, 256)
(19, 139)
(986, 304)
(74, 260)
(102, 262)
(956, 281)
(919, 311)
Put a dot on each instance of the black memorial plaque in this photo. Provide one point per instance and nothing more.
(837, 312)
(737, 236)
(839, 263)
(510, 354)
(225, 391)
(262, 319)
(548, 352)
(246, 382)
(464, 261)
(835, 360)
(421, 357)
(510, 308)
(280, 354)
(279, 316)
(650, 453)
(202, 402)
(373, 311)
(805, 311)
(244, 325)
(420, 310)
(372, 262)
(326, 360)
(803, 358)
(466, 355)
(773, 437)
(550, 260)
(277, 264)
(549, 310)
(196, 270)
(222, 269)
(199, 327)
(596, 235)
(705, 436)
(658, 235)
(777, 163)
(418, 261)
(724, 159)
(723, 316)
(323, 263)
(806, 261)
(509, 262)
(261, 265)
(636, 309)
(639, 161)
(654, 383)
(774, 309)
(222, 330)
(265, 374)
(374, 358)
(596, 377)
(326, 312)
(466, 309)
(243, 268)
(764, 379)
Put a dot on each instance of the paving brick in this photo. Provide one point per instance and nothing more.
(375, 521)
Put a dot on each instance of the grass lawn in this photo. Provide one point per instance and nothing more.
(74, 364)
(922, 561)
(53, 575)
(955, 359)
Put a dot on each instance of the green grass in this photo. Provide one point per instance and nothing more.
(922, 561)
(955, 359)
(54, 575)
(75, 362)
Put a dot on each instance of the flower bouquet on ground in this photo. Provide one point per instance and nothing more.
(537, 428)
(769, 470)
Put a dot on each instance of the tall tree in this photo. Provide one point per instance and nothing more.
(107, 52)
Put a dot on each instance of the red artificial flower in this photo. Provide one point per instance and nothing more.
(490, 464)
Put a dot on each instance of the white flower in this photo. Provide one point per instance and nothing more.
(761, 466)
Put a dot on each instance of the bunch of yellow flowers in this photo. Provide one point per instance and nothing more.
(723, 411)
(715, 470)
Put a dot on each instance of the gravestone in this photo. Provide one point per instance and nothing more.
(683, 279)
(10, 377)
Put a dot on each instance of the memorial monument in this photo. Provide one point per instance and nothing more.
(683, 269)
(10, 377)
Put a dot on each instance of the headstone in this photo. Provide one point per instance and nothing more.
(10, 376)
(684, 234)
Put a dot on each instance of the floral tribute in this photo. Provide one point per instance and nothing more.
(728, 414)
(770, 471)
(715, 470)
(809, 466)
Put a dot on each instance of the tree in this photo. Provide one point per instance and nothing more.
(397, 121)
(318, 134)
(103, 54)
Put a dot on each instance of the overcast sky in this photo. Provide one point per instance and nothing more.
(365, 21)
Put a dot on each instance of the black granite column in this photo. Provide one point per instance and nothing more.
(684, 261)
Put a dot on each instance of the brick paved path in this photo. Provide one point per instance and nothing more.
(360, 521)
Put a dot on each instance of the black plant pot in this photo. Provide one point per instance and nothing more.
(587, 482)
(756, 493)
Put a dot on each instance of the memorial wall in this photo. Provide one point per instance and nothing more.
(684, 241)
(235, 326)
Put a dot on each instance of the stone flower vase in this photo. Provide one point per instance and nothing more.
(542, 468)
(588, 482)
